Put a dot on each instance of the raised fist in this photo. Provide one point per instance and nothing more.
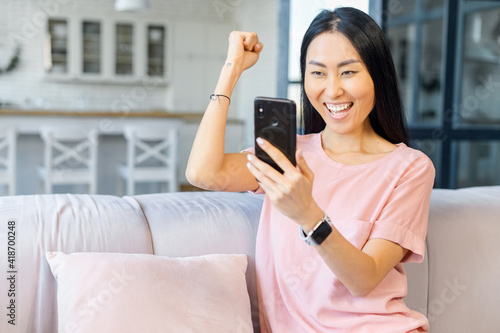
(244, 49)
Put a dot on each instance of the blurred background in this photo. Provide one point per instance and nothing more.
(105, 66)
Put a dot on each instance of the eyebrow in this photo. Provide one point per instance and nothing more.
(340, 64)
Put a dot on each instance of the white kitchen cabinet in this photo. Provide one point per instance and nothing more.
(92, 46)
(124, 53)
(96, 49)
(58, 47)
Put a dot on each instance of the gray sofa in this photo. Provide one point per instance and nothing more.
(457, 286)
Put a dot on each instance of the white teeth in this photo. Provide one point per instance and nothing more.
(338, 113)
(337, 109)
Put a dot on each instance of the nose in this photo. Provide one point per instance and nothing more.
(333, 87)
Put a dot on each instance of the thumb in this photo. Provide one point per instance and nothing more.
(301, 163)
(258, 47)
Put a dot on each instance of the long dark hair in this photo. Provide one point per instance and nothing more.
(387, 116)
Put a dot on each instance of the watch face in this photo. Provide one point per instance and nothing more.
(322, 232)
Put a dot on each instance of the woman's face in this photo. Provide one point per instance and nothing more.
(338, 84)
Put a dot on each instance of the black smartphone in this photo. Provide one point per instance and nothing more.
(275, 121)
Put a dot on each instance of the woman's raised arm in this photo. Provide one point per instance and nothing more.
(208, 166)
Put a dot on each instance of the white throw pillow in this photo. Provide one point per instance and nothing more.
(116, 292)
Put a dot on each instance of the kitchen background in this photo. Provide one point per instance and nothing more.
(195, 45)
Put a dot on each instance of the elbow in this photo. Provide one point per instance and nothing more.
(365, 282)
(361, 292)
(201, 180)
(363, 289)
(193, 178)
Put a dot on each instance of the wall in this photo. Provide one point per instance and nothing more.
(260, 16)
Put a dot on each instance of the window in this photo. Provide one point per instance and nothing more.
(449, 83)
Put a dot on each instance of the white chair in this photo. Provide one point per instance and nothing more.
(70, 158)
(159, 147)
(8, 140)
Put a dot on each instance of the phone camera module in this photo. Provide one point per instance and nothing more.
(261, 111)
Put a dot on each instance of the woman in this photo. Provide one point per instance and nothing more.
(359, 195)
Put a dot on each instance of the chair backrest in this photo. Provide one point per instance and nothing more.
(70, 148)
(8, 149)
(8, 138)
(154, 144)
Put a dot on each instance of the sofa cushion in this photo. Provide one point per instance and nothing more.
(116, 292)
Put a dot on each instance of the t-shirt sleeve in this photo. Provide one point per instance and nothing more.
(259, 189)
(404, 218)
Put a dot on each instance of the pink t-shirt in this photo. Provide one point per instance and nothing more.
(388, 198)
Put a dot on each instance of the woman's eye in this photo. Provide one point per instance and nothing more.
(348, 73)
(316, 73)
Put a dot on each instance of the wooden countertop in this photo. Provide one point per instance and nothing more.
(191, 116)
(142, 114)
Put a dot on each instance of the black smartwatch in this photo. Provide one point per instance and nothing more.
(319, 233)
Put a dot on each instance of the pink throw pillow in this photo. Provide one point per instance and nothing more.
(116, 292)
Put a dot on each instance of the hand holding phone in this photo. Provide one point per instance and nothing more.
(275, 121)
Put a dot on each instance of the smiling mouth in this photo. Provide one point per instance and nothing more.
(338, 109)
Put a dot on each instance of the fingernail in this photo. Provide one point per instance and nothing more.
(249, 156)
(260, 141)
(249, 165)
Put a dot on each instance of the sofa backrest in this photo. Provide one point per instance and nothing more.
(458, 285)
